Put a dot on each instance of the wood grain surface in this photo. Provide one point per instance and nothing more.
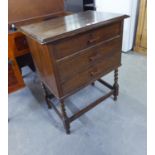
(54, 29)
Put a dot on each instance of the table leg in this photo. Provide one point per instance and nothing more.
(116, 86)
(46, 96)
(93, 83)
(65, 118)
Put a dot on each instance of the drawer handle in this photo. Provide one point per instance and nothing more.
(94, 73)
(93, 58)
(93, 40)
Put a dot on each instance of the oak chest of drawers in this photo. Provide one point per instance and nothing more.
(74, 51)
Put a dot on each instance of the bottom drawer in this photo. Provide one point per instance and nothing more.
(93, 73)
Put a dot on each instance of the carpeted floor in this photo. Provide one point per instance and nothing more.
(109, 129)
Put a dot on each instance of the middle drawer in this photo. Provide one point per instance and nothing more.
(70, 66)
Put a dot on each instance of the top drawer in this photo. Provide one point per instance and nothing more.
(73, 44)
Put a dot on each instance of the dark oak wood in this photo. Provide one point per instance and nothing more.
(91, 74)
(27, 10)
(65, 117)
(85, 40)
(74, 51)
(47, 96)
(89, 107)
(62, 27)
(87, 58)
(105, 83)
(116, 86)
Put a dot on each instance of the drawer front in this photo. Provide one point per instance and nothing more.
(74, 64)
(93, 73)
(73, 44)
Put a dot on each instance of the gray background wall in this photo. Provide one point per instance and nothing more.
(74, 5)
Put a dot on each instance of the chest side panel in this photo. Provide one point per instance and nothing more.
(44, 65)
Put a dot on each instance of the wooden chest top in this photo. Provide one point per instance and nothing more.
(54, 29)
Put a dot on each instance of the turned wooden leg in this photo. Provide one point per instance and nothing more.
(46, 96)
(116, 86)
(93, 83)
(65, 118)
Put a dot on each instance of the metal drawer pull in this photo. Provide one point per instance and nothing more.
(93, 40)
(94, 73)
(93, 58)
